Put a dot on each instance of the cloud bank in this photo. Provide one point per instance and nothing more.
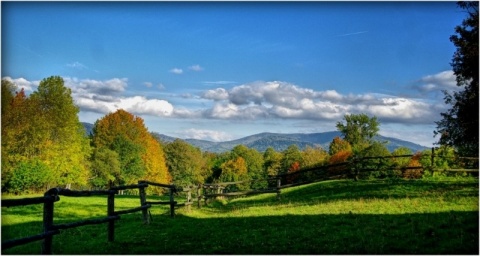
(259, 101)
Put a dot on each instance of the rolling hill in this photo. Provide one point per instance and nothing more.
(279, 141)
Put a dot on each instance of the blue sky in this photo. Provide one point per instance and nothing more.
(224, 70)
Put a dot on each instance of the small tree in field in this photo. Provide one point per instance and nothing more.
(358, 130)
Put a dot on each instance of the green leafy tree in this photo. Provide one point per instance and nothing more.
(185, 163)
(45, 126)
(381, 166)
(444, 158)
(69, 151)
(400, 162)
(359, 130)
(459, 125)
(8, 93)
(291, 155)
(314, 156)
(235, 170)
(254, 161)
(30, 176)
(132, 168)
(105, 167)
(272, 161)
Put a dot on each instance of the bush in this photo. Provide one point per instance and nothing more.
(414, 173)
(29, 176)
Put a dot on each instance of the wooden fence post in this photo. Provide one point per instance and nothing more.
(279, 183)
(111, 212)
(143, 201)
(199, 196)
(172, 203)
(48, 207)
(432, 158)
(189, 199)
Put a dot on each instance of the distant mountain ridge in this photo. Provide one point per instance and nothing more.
(281, 141)
(278, 141)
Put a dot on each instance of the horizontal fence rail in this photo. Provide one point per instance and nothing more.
(53, 195)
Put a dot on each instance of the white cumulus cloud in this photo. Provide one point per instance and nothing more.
(276, 99)
(200, 134)
(22, 83)
(445, 80)
(196, 68)
(177, 71)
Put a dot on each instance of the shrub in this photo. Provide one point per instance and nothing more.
(414, 173)
(29, 176)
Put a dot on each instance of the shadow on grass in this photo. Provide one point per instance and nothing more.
(432, 233)
(454, 232)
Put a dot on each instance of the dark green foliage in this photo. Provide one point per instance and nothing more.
(459, 125)
(105, 167)
(254, 162)
(358, 130)
(185, 163)
(29, 176)
(382, 167)
(291, 156)
(131, 164)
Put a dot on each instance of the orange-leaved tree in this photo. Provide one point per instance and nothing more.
(139, 153)
(292, 175)
(414, 162)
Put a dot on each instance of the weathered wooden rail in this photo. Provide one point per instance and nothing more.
(53, 195)
(348, 169)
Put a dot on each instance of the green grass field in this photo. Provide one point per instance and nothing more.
(332, 217)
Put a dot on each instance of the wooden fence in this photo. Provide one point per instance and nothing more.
(349, 169)
(53, 195)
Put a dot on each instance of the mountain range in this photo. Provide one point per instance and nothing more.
(281, 141)
(278, 141)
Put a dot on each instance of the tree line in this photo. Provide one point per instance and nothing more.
(45, 145)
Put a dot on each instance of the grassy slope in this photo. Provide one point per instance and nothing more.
(334, 217)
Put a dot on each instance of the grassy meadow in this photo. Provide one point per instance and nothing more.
(436, 216)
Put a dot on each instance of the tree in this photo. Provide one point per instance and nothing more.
(272, 161)
(338, 145)
(358, 130)
(45, 127)
(29, 176)
(235, 170)
(382, 166)
(185, 162)
(400, 162)
(291, 155)
(341, 156)
(139, 154)
(293, 176)
(314, 156)
(105, 167)
(254, 161)
(459, 125)
(8, 93)
(69, 151)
